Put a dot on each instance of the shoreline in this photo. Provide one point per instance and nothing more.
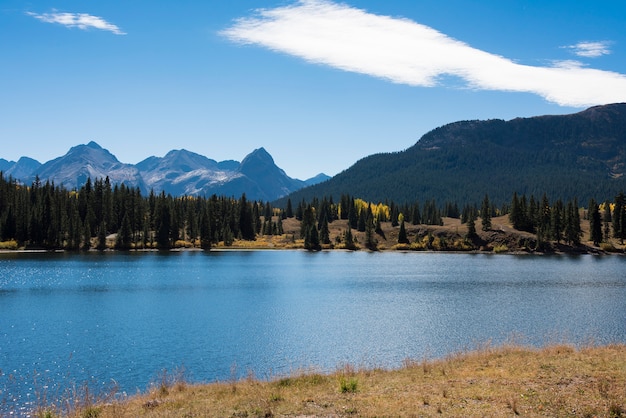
(581, 250)
(511, 379)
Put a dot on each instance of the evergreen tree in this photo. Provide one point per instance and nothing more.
(471, 226)
(228, 236)
(572, 224)
(607, 220)
(544, 220)
(556, 221)
(379, 229)
(164, 219)
(124, 235)
(394, 215)
(353, 216)
(349, 239)
(324, 232)
(309, 230)
(246, 226)
(300, 211)
(205, 229)
(485, 214)
(361, 225)
(289, 210)
(102, 237)
(532, 214)
(308, 220)
(402, 236)
(370, 239)
(595, 223)
(86, 236)
(619, 218)
(416, 218)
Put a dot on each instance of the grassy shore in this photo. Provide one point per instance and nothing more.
(557, 381)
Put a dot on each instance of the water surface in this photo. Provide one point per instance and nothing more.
(99, 318)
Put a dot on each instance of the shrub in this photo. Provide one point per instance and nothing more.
(8, 245)
(608, 247)
(348, 385)
(502, 248)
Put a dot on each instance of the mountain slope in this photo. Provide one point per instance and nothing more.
(581, 155)
(179, 172)
(24, 168)
(93, 161)
(259, 165)
(182, 172)
(5, 165)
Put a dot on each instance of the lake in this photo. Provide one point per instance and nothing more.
(121, 318)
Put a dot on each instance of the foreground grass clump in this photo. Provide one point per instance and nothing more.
(505, 381)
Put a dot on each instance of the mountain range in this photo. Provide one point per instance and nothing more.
(581, 155)
(179, 172)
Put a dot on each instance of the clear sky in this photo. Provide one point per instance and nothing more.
(319, 84)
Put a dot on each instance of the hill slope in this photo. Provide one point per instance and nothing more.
(579, 155)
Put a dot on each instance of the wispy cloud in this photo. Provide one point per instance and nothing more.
(407, 52)
(591, 49)
(77, 20)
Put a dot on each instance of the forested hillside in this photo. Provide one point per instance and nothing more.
(582, 155)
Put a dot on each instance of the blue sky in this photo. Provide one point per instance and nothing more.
(319, 84)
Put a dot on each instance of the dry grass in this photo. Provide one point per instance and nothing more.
(451, 236)
(505, 381)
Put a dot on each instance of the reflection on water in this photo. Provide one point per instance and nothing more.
(103, 318)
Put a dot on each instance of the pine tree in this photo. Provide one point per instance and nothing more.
(361, 225)
(228, 236)
(402, 237)
(205, 229)
(349, 239)
(124, 235)
(353, 216)
(416, 218)
(619, 217)
(102, 237)
(485, 214)
(471, 226)
(607, 220)
(344, 206)
(246, 225)
(370, 239)
(394, 215)
(595, 223)
(556, 221)
(86, 236)
(543, 220)
(324, 232)
(164, 219)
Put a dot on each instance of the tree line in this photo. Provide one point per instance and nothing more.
(47, 216)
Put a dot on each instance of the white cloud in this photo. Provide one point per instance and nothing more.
(590, 49)
(407, 52)
(77, 20)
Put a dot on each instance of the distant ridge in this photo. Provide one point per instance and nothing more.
(580, 155)
(179, 172)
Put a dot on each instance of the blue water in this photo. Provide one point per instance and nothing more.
(121, 319)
